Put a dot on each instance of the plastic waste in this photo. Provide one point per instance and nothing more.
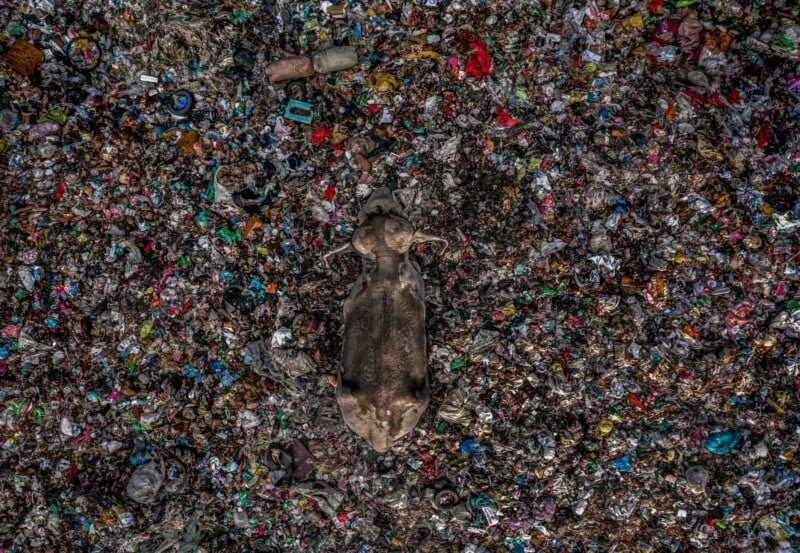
(145, 482)
(722, 442)
(335, 59)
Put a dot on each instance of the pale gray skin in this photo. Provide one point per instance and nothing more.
(383, 386)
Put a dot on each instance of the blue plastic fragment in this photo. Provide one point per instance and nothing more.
(623, 464)
(293, 105)
(471, 448)
(722, 442)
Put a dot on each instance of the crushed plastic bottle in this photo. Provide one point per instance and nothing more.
(145, 483)
(696, 479)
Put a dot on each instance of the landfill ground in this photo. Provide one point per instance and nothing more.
(612, 332)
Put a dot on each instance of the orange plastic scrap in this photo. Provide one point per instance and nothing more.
(671, 111)
(690, 331)
(252, 224)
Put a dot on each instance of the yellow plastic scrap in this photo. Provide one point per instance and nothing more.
(508, 309)
(417, 46)
(577, 96)
(776, 403)
(335, 10)
(422, 54)
(416, 41)
(632, 22)
(604, 427)
(590, 67)
(382, 82)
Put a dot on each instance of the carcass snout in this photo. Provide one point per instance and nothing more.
(380, 426)
(381, 202)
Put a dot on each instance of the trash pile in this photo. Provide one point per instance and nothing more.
(613, 333)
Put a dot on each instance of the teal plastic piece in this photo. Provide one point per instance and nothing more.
(303, 113)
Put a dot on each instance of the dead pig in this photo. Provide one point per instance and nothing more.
(382, 386)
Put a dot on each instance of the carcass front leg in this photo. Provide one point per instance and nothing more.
(423, 237)
(347, 248)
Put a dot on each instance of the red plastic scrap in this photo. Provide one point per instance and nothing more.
(697, 99)
(636, 403)
(479, 64)
(666, 30)
(504, 118)
(446, 109)
(763, 135)
(320, 135)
